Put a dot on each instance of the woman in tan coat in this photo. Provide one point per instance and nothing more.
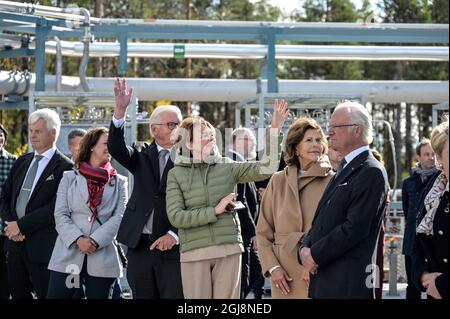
(288, 207)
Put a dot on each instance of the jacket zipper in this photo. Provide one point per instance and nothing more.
(207, 205)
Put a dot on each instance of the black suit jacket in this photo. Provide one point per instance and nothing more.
(431, 252)
(38, 224)
(247, 194)
(345, 229)
(148, 192)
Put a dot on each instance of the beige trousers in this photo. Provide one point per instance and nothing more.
(217, 278)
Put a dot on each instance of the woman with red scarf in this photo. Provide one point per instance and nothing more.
(89, 207)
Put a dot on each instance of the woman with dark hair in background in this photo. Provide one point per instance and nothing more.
(89, 208)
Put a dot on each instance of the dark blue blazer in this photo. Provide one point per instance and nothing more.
(345, 229)
(411, 190)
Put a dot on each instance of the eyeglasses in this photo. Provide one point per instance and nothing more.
(340, 125)
(170, 125)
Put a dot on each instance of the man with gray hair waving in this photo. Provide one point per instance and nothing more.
(27, 205)
(153, 251)
(340, 249)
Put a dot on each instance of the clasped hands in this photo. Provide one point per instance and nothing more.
(13, 233)
(307, 260)
(86, 245)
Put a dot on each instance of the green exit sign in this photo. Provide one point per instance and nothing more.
(178, 51)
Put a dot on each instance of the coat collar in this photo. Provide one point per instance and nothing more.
(83, 191)
(349, 170)
(54, 161)
(320, 169)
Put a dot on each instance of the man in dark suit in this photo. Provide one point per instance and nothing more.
(340, 249)
(242, 147)
(27, 205)
(153, 251)
(411, 193)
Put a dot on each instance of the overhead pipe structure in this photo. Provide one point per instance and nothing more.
(219, 90)
(45, 22)
(256, 51)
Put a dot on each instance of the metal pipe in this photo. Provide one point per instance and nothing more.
(252, 24)
(86, 40)
(392, 145)
(255, 51)
(58, 64)
(39, 10)
(64, 14)
(232, 90)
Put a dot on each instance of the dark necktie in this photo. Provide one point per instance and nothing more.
(162, 162)
(25, 191)
(341, 167)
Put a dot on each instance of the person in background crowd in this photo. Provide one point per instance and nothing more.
(288, 207)
(334, 157)
(6, 163)
(73, 141)
(243, 148)
(89, 207)
(379, 275)
(412, 187)
(27, 205)
(431, 244)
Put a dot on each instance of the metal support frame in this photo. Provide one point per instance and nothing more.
(265, 32)
(123, 58)
(90, 100)
(60, 100)
(42, 30)
(436, 109)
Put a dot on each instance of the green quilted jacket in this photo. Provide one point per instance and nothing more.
(195, 188)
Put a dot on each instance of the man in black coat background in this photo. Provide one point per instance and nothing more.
(27, 206)
(340, 249)
(412, 188)
(242, 148)
(153, 252)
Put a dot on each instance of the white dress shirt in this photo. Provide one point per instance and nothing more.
(47, 156)
(353, 154)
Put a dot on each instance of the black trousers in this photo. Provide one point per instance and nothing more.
(411, 290)
(25, 276)
(95, 287)
(251, 278)
(151, 276)
(5, 292)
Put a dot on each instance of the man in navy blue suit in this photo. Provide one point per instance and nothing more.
(340, 249)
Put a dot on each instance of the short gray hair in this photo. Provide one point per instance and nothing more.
(359, 115)
(161, 109)
(50, 117)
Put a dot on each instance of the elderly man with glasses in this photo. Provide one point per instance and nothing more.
(339, 250)
(153, 253)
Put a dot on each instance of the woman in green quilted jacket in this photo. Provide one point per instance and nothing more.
(200, 203)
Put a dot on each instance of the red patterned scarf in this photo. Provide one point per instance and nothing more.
(96, 177)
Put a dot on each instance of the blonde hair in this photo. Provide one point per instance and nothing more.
(439, 136)
(185, 132)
